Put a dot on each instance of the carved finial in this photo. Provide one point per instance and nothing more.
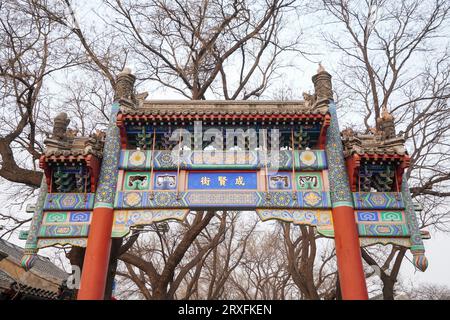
(322, 84)
(321, 68)
(125, 87)
(419, 260)
(28, 259)
(125, 71)
(386, 124)
(348, 133)
(61, 122)
(386, 115)
(372, 131)
(72, 133)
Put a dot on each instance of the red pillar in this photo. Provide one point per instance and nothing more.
(348, 254)
(96, 260)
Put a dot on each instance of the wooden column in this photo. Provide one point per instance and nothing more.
(348, 252)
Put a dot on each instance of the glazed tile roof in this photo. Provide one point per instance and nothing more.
(371, 144)
(224, 107)
(8, 283)
(34, 292)
(43, 266)
(75, 147)
(5, 280)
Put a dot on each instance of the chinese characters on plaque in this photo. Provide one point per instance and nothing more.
(222, 180)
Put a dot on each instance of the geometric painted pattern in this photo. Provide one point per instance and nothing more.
(64, 230)
(280, 180)
(338, 178)
(165, 180)
(394, 216)
(229, 199)
(137, 181)
(376, 230)
(309, 181)
(37, 217)
(236, 159)
(381, 223)
(56, 217)
(60, 241)
(378, 200)
(385, 240)
(380, 216)
(81, 217)
(69, 201)
(31, 246)
(192, 160)
(417, 248)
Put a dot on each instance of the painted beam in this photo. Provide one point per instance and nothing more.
(304, 160)
(222, 199)
(378, 200)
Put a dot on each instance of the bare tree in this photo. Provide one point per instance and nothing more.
(395, 57)
(428, 291)
(210, 278)
(161, 270)
(231, 49)
(32, 49)
(314, 280)
(262, 272)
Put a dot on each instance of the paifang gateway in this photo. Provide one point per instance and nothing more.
(352, 187)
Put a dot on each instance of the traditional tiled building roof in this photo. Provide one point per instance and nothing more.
(135, 106)
(65, 147)
(14, 286)
(224, 107)
(11, 289)
(43, 266)
(242, 111)
(79, 146)
(5, 280)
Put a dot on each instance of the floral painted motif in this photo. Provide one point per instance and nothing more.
(312, 198)
(137, 158)
(308, 158)
(132, 199)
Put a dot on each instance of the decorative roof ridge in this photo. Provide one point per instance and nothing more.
(224, 107)
(217, 101)
(133, 103)
(372, 142)
(66, 142)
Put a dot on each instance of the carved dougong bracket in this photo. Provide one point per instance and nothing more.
(374, 172)
(71, 174)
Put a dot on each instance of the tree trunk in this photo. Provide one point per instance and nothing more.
(116, 245)
(76, 258)
(388, 288)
